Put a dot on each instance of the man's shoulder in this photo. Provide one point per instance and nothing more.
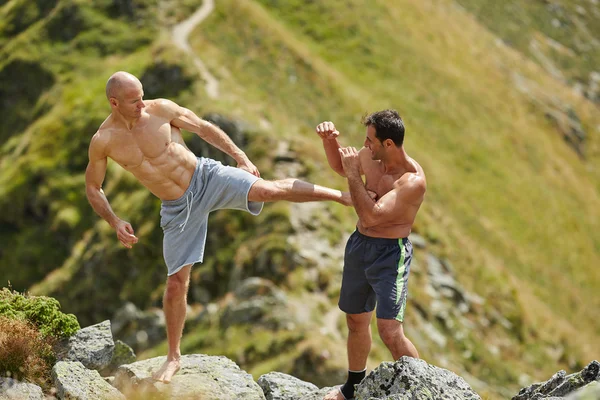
(161, 107)
(411, 182)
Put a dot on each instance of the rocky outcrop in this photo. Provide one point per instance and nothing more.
(219, 378)
(410, 378)
(200, 376)
(561, 385)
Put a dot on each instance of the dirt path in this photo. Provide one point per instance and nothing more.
(180, 35)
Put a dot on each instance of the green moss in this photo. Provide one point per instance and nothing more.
(43, 312)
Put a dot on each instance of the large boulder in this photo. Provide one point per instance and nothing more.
(74, 382)
(410, 378)
(200, 377)
(92, 346)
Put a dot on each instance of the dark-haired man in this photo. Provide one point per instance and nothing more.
(378, 254)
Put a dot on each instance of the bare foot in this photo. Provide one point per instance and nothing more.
(166, 372)
(334, 394)
(346, 199)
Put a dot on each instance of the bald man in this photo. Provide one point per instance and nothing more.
(144, 137)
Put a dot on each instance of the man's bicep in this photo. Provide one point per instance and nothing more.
(96, 168)
(389, 205)
(95, 172)
(364, 156)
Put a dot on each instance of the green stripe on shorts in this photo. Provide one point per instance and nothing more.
(400, 281)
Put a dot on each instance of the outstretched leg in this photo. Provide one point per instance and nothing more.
(359, 345)
(392, 334)
(174, 306)
(295, 190)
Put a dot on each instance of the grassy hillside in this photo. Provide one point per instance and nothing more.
(510, 204)
(502, 183)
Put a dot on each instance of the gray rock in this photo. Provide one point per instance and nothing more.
(92, 346)
(279, 386)
(11, 389)
(122, 354)
(74, 382)
(410, 378)
(200, 377)
(561, 384)
(589, 392)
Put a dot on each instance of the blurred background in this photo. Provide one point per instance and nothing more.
(501, 104)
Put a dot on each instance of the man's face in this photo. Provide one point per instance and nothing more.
(130, 103)
(373, 144)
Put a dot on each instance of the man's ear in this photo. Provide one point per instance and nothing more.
(388, 143)
(113, 102)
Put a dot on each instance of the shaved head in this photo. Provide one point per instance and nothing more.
(118, 81)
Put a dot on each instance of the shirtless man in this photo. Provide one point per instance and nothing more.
(143, 137)
(378, 254)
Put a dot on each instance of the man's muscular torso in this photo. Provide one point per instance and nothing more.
(153, 151)
(379, 182)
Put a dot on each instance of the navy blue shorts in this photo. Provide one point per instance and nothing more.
(375, 272)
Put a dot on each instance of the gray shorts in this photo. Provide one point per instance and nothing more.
(184, 221)
(375, 272)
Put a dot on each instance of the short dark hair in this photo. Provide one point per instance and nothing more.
(388, 125)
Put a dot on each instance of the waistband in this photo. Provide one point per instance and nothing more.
(190, 188)
(378, 240)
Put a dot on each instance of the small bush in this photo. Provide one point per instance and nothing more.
(43, 312)
(25, 353)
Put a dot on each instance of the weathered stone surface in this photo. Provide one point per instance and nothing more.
(410, 378)
(589, 392)
(200, 377)
(279, 386)
(92, 346)
(11, 389)
(561, 384)
(122, 354)
(74, 382)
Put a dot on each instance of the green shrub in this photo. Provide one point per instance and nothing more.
(43, 312)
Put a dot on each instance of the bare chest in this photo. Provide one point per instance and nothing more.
(147, 141)
(379, 182)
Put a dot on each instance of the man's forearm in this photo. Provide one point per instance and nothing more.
(214, 136)
(332, 152)
(101, 206)
(363, 203)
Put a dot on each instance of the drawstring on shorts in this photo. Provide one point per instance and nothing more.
(188, 204)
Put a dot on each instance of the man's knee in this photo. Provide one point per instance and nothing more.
(389, 330)
(264, 191)
(178, 283)
(358, 322)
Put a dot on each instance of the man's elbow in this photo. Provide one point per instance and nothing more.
(92, 191)
(339, 171)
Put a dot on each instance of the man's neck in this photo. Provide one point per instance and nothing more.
(397, 162)
(126, 123)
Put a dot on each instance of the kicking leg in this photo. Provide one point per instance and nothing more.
(174, 305)
(296, 191)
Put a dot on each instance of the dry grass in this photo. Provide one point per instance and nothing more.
(25, 355)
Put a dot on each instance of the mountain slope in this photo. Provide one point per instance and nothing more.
(514, 191)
